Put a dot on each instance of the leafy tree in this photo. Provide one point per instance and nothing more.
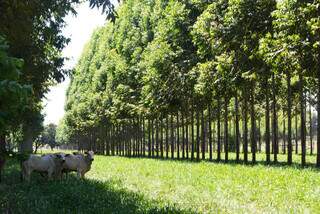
(34, 31)
(13, 95)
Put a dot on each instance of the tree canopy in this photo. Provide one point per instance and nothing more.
(165, 59)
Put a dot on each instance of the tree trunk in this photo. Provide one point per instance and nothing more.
(192, 133)
(284, 135)
(226, 137)
(178, 136)
(289, 119)
(187, 135)
(157, 137)
(183, 135)
(310, 121)
(274, 121)
(161, 137)
(318, 125)
(172, 138)
(203, 128)
(27, 144)
(259, 134)
(245, 134)
(167, 136)
(198, 133)
(210, 132)
(218, 132)
(152, 138)
(303, 122)
(236, 104)
(107, 140)
(253, 126)
(149, 138)
(143, 137)
(296, 131)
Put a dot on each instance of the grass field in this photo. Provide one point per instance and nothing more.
(132, 185)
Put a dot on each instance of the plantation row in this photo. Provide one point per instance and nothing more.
(190, 77)
(176, 137)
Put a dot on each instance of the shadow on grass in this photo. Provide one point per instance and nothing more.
(233, 162)
(72, 196)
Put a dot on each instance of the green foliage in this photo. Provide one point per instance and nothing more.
(13, 95)
(34, 31)
(165, 58)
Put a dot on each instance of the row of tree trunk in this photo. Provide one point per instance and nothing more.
(196, 133)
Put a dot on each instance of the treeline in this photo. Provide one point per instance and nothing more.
(191, 79)
(31, 42)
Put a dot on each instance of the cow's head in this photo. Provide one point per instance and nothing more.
(90, 155)
(61, 157)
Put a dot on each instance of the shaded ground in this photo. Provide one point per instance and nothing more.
(71, 196)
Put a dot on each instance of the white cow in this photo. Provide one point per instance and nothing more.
(79, 163)
(50, 164)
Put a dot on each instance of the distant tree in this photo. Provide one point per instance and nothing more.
(48, 136)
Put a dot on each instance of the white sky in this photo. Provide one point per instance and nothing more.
(79, 29)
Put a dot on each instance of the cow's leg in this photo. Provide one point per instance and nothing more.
(82, 174)
(50, 173)
(79, 173)
(28, 174)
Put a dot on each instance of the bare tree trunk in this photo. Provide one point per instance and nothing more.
(318, 126)
(198, 134)
(187, 135)
(210, 131)
(310, 121)
(107, 140)
(167, 136)
(218, 132)
(245, 135)
(161, 137)
(143, 137)
(267, 121)
(152, 138)
(274, 121)
(284, 134)
(192, 133)
(149, 138)
(178, 136)
(253, 126)
(183, 135)
(172, 138)
(259, 134)
(296, 131)
(289, 119)
(157, 137)
(203, 130)
(226, 137)
(303, 122)
(27, 145)
(236, 104)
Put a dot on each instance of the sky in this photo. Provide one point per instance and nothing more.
(79, 29)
